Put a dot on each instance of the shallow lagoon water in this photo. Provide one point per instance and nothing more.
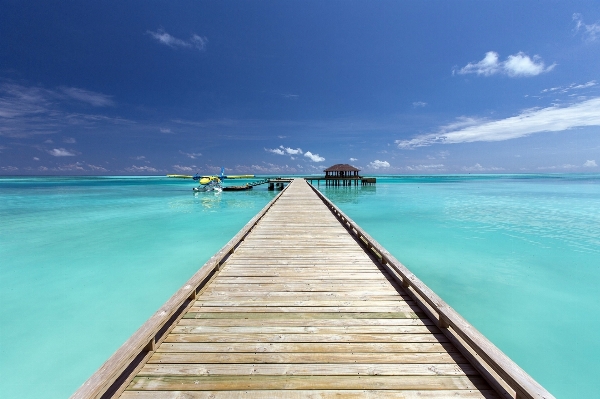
(85, 261)
(517, 255)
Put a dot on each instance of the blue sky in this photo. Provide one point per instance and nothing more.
(399, 87)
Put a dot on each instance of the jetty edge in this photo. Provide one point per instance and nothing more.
(500, 371)
(345, 280)
(130, 357)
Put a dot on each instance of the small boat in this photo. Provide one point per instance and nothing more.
(237, 188)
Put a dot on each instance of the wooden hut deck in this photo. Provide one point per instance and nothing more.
(301, 309)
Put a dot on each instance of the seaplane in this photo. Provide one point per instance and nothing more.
(213, 182)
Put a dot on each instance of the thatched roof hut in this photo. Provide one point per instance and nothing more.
(341, 170)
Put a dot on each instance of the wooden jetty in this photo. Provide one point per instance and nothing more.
(302, 303)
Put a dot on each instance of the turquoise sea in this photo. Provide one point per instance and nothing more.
(85, 261)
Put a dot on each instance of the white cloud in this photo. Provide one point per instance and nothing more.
(134, 168)
(516, 65)
(291, 151)
(290, 96)
(564, 166)
(377, 164)
(36, 159)
(417, 104)
(590, 164)
(192, 155)
(198, 42)
(551, 119)
(90, 97)
(70, 167)
(425, 168)
(9, 168)
(589, 32)
(165, 130)
(183, 168)
(69, 140)
(267, 168)
(478, 168)
(60, 152)
(97, 168)
(572, 86)
(314, 157)
(277, 151)
(353, 159)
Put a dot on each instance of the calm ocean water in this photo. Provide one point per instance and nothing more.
(85, 261)
(517, 255)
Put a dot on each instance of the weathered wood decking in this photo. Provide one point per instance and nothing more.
(301, 305)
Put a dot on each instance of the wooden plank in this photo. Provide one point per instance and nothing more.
(270, 329)
(304, 315)
(304, 323)
(271, 302)
(317, 296)
(319, 347)
(389, 369)
(313, 394)
(303, 357)
(250, 382)
(380, 281)
(188, 337)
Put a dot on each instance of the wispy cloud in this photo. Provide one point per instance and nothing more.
(60, 152)
(195, 41)
(291, 151)
(572, 86)
(165, 130)
(69, 140)
(516, 65)
(290, 96)
(277, 151)
(192, 155)
(377, 164)
(419, 104)
(590, 164)
(267, 167)
(285, 150)
(86, 96)
(138, 169)
(478, 168)
(589, 32)
(426, 168)
(566, 166)
(181, 168)
(551, 119)
(29, 110)
(97, 168)
(313, 157)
